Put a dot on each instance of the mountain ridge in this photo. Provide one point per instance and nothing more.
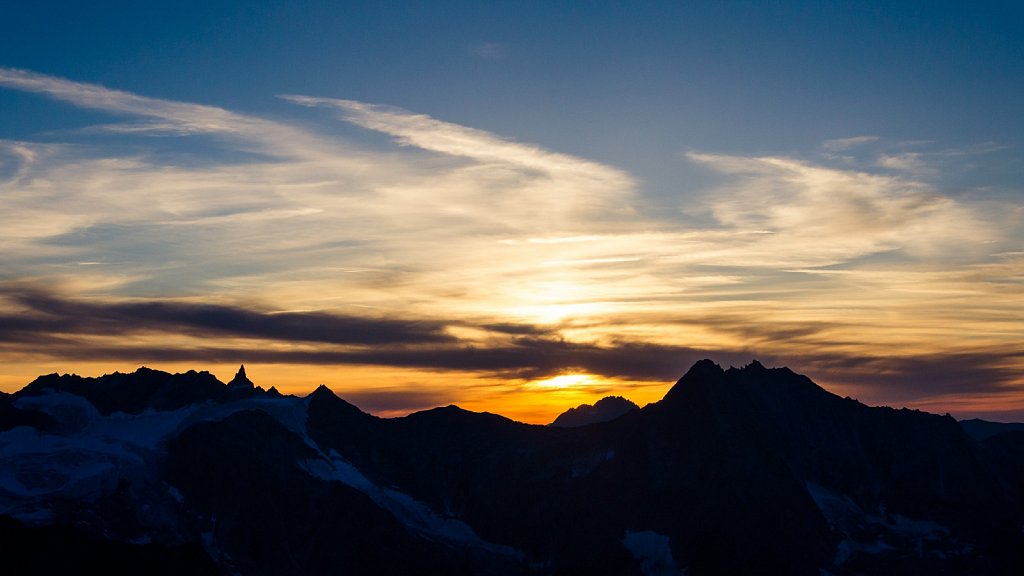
(605, 409)
(739, 470)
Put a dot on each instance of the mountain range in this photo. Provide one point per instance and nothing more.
(744, 470)
(605, 409)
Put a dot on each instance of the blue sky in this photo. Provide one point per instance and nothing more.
(611, 80)
(833, 186)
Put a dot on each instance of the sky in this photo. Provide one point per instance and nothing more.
(517, 207)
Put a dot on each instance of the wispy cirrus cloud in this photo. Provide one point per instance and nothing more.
(843, 144)
(813, 215)
(168, 116)
(512, 175)
(462, 250)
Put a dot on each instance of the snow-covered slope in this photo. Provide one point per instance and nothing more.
(72, 471)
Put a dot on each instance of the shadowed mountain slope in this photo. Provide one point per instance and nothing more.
(747, 470)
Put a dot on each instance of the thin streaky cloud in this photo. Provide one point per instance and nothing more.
(194, 117)
(173, 116)
(906, 161)
(824, 215)
(422, 131)
(843, 144)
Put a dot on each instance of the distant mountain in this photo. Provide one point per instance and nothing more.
(144, 389)
(605, 409)
(741, 471)
(983, 429)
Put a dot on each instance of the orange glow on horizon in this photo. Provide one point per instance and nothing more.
(532, 402)
(537, 401)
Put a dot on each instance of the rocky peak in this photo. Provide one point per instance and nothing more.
(240, 380)
(702, 375)
(605, 409)
(322, 391)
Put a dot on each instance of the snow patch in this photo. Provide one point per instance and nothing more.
(875, 534)
(175, 494)
(87, 454)
(412, 513)
(71, 412)
(654, 552)
(899, 523)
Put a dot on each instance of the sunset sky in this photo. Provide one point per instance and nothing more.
(517, 207)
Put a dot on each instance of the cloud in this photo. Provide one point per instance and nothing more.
(906, 161)
(528, 359)
(488, 50)
(170, 116)
(461, 250)
(44, 314)
(843, 144)
(40, 322)
(815, 216)
(310, 200)
(910, 379)
(69, 328)
(919, 159)
(428, 133)
(310, 211)
(980, 376)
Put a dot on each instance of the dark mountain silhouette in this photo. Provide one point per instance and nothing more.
(983, 429)
(745, 471)
(605, 409)
(68, 550)
(241, 380)
(135, 392)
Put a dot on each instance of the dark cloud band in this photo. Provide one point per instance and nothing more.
(48, 325)
(48, 314)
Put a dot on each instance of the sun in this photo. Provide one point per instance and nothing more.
(566, 381)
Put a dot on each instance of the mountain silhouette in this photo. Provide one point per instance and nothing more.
(241, 380)
(982, 430)
(749, 470)
(605, 409)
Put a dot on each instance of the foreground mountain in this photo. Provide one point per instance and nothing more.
(745, 471)
(605, 409)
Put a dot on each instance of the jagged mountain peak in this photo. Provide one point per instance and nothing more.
(751, 381)
(705, 367)
(702, 373)
(322, 391)
(241, 380)
(754, 366)
(604, 410)
(326, 401)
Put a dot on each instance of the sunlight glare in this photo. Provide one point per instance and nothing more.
(566, 381)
